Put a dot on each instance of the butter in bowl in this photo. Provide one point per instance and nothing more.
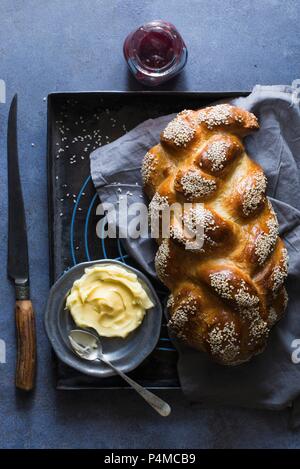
(116, 301)
(110, 299)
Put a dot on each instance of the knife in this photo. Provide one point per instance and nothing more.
(17, 264)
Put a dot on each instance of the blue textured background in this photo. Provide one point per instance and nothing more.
(77, 45)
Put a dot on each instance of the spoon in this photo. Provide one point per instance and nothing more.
(88, 346)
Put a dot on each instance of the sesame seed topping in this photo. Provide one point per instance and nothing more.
(220, 281)
(199, 216)
(272, 316)
(216, 153)
(258, 329)
(170, 302)
(266, 241)
(244, 298)
(200, 221)
(194, 185)
(215, 115)
(179, 132)
(180, 317)
(162, 259)
(156, 206)
(224, 342)
(247, 304)
(148, 166)
(254, 193)
(280, 272)
(250, 311)
(197, 222)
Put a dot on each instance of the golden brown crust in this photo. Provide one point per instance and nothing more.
(217, 153)
(228, 291)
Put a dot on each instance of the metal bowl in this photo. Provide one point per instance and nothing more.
(126, 354)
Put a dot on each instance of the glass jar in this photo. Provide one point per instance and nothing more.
(155, 52)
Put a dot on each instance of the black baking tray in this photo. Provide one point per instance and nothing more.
(79, 122)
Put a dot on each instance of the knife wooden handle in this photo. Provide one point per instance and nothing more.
(26, 353)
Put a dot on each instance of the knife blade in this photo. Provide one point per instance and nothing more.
(17, 264)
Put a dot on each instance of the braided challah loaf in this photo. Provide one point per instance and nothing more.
(227, 293)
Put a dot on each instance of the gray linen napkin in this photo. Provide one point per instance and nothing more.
(270, 380)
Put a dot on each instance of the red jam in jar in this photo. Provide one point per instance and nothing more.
(155, 52)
